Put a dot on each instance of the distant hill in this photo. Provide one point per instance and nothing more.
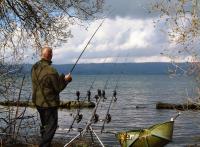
(114, 68)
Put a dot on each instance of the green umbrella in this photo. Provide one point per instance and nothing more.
(155, 136)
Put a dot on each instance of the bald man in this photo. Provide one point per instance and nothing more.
(46, 86)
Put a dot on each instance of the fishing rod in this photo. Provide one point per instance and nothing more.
(78, 111)
(114, 98)
(90, 121)
(86, 46)
(92, 117)
(102, 93)
(108, 116)
(88, 126)
(122, 72)
(76, 64)
(78, 116)
(98, 97)
(94, 111)
(79, 59)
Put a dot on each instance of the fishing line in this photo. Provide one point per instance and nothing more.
(107, 80)
(79, 59)
(108, 116)
(86, 46)
(87, 124)
(78, 111)
(122, 72)
(92, 117)
(104, 61)
(87, 95)
(101, 94)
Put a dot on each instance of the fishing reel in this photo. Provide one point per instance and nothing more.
(98, 95)
(80, 130)
(79, 117)
(78, 95)
(108, 118)
(95, 118)
(88, 95)
(115, 95)
(104, 95)
(99, 92)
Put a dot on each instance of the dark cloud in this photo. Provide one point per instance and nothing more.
(129, 32)
(130, 8)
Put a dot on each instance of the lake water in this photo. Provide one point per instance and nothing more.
(134, 90)
(137, 90)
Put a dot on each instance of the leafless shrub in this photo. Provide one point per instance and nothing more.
(36, 23)
(27, 24)
(182, 24)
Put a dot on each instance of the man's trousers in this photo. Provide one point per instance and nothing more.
(49, 120)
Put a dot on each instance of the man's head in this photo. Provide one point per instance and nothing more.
(46, 53)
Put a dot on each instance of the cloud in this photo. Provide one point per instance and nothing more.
(137, 9)
(157, 58)
(129, 31)
(141, 59)
(123, 33)
(116, 37)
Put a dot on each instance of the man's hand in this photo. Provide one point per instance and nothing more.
(68, 77)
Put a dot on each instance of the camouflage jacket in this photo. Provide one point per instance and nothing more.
(46, 84)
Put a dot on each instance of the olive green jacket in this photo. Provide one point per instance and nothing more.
(46, 84)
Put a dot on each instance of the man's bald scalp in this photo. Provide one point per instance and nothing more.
(44, 49)
(46, 53)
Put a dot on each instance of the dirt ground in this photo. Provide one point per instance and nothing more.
(81, 142)
(54, 144)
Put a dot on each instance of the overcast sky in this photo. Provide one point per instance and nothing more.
(127, 35)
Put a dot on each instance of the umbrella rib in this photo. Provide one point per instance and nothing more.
(137, 138)
(134, 141)
(160, 137)
(148, 141)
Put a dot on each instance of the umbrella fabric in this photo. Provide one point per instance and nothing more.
(155, 136)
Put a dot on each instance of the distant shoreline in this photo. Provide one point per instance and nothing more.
(149, 68)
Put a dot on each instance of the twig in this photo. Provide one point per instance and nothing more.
(16, 114)
(22, 118)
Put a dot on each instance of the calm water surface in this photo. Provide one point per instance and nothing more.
(137, 90)
(134, 90)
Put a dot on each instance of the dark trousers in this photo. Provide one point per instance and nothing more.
(49, 120)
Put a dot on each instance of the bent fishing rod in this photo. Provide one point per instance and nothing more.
(86, 47)
(77, 62)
